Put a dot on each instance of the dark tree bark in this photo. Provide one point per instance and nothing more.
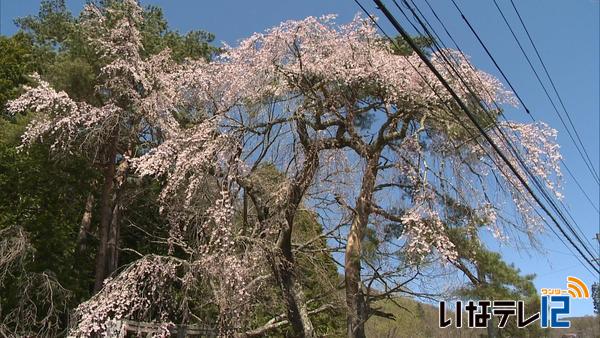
(282, 262)
(105, 216)
(114, 233)
(283, 267)
(86, 223)
(112, 247)
(295, 301)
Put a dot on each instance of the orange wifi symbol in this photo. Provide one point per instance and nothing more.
(576, 288)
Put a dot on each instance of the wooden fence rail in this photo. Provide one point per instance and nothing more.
(129, 328)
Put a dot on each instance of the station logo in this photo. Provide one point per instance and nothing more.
(555, 304)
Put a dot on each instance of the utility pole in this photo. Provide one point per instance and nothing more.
(598, 258)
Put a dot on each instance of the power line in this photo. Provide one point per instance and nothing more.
(462, 105)
(459, 49)
(456, 45)
(551, 101)
(560, 100)
(562, 161)
(581, 152)
(535, 180)
(470, 133)
(556, 110)
(468, 130)
(512, 149)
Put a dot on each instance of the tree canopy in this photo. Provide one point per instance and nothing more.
(288, 185)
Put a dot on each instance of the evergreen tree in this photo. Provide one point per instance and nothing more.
(52, 199)
(493, 279)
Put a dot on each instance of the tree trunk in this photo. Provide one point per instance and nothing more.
(105, 217)
(112, 247)
(354, 297)
(282, 262)
(491, 329)
(284, 270)
(283, 265)
(112, 257)
(292, 290)
(86, 222)
(355, 301)
(295, 302)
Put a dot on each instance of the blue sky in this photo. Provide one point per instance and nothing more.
(566, 33)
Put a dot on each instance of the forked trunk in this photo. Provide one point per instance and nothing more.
(108, 255)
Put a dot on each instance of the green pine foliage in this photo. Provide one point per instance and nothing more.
(17, 60)
(43, 195)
